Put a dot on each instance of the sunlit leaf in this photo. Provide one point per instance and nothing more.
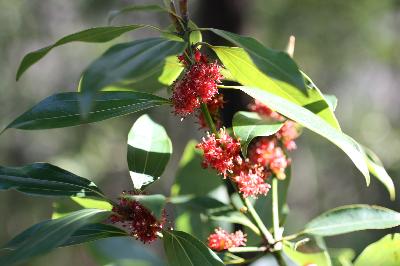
(385, 252)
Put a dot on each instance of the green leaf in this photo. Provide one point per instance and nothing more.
(136, 8)
(191, 178)
(183, 249)
(155, 203)
(384, 252)
(87, 233)
(317, 258)
(233, 217)
(342, 256)
(88, 203)
(129, 63)
(276, 64)
(315, 123)
(352, 218)
(62, 207)
(149, 150)
(332, 101)
(51, 235)
(248, 125)
(63, 110)
(376, 168)
(93, 35)
(246, 72)
(47, 180)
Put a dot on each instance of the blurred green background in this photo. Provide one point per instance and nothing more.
(349, 48)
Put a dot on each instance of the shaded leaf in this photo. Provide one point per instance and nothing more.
(248, 125)
(183, 249)
(385, 252)
(93, 35)
(47, 180)
(313, 122)
(352, 218)
(50, 235)
(149, 150)
(63, 109)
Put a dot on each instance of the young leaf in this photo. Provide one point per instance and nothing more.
(47, 180)
(62, 110)
(384, 252)
(352, 218)
(276, 64)
(93, 35)
(136, 8)
(87, 233)
(244, 71)
(248, 125)
(376, 168)
(155, 203)
(149, 150)
(313, 122)
(191, 178)
(50, 235)
(129, 62)
(183, 249)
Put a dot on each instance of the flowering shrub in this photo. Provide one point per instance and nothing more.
(251, 159)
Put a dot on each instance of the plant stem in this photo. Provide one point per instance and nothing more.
(275, 209)
(247, 249)
(208, 118)
(279, 258)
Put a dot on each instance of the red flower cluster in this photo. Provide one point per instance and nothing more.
(137, 218)
(290, 130)
(266, 152)
(222, 240)
(213, 106)
(199, 84)
(223, 155)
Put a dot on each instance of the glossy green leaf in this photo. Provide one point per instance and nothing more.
(93, 35)
(129, 63)
(352, 218)
(246, 72)
(317, 258)
(136, 8)
(313, 122)
(87, 233)
(191, 178)
(149, 150)
(47, 180)
(385, 252)
(155, 203)
(51, 235)
(248, 125)
(63, 110)
(183, 249)
(276, 64)
(376, 168)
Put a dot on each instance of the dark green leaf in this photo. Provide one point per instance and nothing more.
(155, 203)
(149, 150)
(183, 249)
(248, 125)
(352, 218)
(385, 252)
(50, 235)
(313, 122)
(376, 168)
(136, 8)
(62, 110)
(244, 71)
(48, 180)
(191, 178)
(93, 35)
(129, 63)
(276, 64)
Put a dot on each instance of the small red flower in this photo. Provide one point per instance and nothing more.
(222, 240)
(199, 84)
(132, 215)
(288, 133)
(219, 153)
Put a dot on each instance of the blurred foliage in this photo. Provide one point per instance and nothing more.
(350, 48)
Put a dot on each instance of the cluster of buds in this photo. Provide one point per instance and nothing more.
(222, 240)
(198, 84)
(136, 218)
